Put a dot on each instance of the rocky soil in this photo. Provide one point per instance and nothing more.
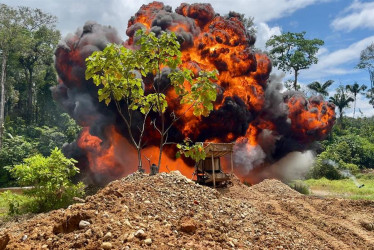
(168, 211)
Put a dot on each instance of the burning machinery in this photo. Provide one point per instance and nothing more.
(209, 171)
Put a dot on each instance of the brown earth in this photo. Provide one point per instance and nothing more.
(168, 211)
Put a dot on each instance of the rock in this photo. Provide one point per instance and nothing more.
(140, 234)
(77, 199)
(188, 225)
(24, 237)
(127, 222)
(88, 233)
(83, 224)
(148, 241)
(147, 202)
(44, 246)
(106, 245)
(130, 237)
(107, 237)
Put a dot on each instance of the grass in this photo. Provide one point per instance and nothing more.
(17, 200)
(344, 188)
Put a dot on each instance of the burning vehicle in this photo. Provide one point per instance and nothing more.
(265, 123)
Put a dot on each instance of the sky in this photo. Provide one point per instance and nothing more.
(346, 27)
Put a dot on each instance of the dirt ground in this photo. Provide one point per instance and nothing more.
(168, 211)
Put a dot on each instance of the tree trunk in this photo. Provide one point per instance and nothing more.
(2, 97)
(30, 98)
(295, 81)
(161, 139)
(140, 167)
(354, 108)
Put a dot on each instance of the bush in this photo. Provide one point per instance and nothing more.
(17, 204)
(14, 150)
(50, 179)
(300, 187)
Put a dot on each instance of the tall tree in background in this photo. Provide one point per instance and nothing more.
(41, 38)
(367, 62)
(320, 88)
(9, 33)
(355, 89)
(292, 52)
(341, 101)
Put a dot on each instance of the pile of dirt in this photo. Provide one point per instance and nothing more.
(168, 211)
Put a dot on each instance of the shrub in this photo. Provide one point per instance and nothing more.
(50, 180)
(14, 150)
(300, 187)
(17, 204)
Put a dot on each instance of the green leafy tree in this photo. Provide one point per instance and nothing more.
(9, 42)
(50, 178)
(40, 38)
(197, 93)
(292, 52)
(320, 88)
(367, 62)
(341, 101)
(115, 71)
(355, 89)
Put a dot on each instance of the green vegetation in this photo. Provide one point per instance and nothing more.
(343, 188)
(50, 182)
(300, 187)
(120, 83)
(293, 52)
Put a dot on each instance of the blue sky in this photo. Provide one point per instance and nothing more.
(347, 27)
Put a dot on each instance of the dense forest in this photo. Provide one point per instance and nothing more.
(32, 123)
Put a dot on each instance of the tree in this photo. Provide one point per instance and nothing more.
(115, 71)
(40, 38)
(292, 52)
(9, 34)
(355, 89)
(196, 92)
(341, 101)
(367, 62)
(321, 89)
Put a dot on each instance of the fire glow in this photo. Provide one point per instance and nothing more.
(250, 109)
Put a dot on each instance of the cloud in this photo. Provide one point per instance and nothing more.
(74, 13)
(334, 63)
(363, 108)
(264, 32)
(357, 15)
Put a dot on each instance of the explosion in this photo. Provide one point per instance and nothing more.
(250, 109)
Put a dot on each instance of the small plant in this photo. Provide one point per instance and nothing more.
(17, 204)
(50, 181)
(300, 187)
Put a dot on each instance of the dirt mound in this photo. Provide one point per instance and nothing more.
(274, 187)
(168, 211)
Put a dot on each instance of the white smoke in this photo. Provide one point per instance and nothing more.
(248, 156)
(294, 165)
(344, 172)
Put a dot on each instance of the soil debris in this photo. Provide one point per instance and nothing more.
(169, 211)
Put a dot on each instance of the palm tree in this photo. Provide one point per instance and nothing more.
(355, 89)
(321, 89)
(341, 101)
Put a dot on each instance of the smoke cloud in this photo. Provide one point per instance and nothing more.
(250, 109)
